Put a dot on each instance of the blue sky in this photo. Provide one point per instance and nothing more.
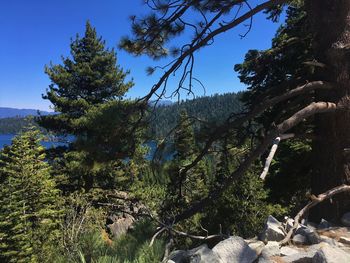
(35, 32)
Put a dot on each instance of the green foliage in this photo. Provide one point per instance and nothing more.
(214, 109)
(242, 209)
(272, 72)
(89, 78)
(132, 247)
(15, 125)
(153, 32)
(184, 189)
(29, 201)
(264, 72)
(87, 90)
(290, 177)
(79, 227)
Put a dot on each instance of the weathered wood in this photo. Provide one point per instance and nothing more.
(320, 198)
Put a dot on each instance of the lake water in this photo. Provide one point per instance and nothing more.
(5, 139)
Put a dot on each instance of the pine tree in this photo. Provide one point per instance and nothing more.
(29, 201)
(90, 77)
(185, 188)
(87, 91)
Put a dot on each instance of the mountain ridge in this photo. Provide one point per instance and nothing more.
(8, 112)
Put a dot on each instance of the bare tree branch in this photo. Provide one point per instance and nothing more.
(273, 152)
(315, 201)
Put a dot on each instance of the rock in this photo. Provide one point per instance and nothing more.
(288, 251)
(299, 239)
(270, 251)
(120, 225)
(272, 248)
(324, 224)
(274, 259)
(344, 240)
(345, 219)
(328, 240)
(256, 245)
(273, 230)
(310, 233)
(288, 225)
(234, 250)
(178, 256)
(311, 225)
(329, 254)
(202, 254)
(301, 257)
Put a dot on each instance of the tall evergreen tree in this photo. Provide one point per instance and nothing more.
(289, 177)
(185, 189)
(29, 201)
(90, 77)
(87, 91)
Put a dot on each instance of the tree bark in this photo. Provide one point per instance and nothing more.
(330, 22)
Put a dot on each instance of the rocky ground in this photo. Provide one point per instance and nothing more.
(325, 243)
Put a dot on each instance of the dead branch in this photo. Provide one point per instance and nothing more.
(155, 235)
(312, 109)
(168, 248)
(273, 152)
(318, 107)
(315, 201)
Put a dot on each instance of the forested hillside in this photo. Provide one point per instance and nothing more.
(215, 108)
(6, 112)
(15, 124)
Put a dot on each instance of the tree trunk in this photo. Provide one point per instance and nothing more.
(330, 21)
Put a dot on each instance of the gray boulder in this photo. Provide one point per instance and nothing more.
(312, 225)
(256, 245)
(288, 251)
(329, 254)
(178, 256)
(202, 254)
(120, 225)
(329, 241)
(234, 250)
(270, 250)
(324, 224)
(345, 240)
(301, 257)
(310, 233)
(345, 219)
(300, 239)
(273, 230)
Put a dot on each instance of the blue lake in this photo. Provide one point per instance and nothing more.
(5, 139)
